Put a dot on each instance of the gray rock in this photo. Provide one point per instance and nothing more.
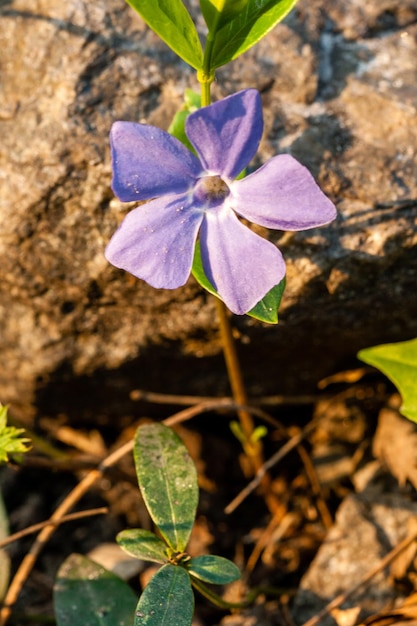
(76, 335)
(366, 529)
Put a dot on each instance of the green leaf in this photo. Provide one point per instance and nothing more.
(171, 21)
(168, 482)
(217, 12)
(167, 600)
(209, 12)
(266, 310)
(246, 29)
(213, 569)
(85, 593)
(143, 544)
(398, 361)
(11, 440)
(192, 102)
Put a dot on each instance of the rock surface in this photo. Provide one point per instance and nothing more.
(339, 87)
(367, 528)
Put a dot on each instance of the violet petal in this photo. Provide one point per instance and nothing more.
(156, 242)
(283, 195)
(226, 134)
(148, 162)
(242, 266)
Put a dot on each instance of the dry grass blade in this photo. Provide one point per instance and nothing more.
(402, 615)
(66, 518)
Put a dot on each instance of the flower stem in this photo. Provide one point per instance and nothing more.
(251, 445)
(205, 76)
(252, 448)
(205, 83)
(233, 368)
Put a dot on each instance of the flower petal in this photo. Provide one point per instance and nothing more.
(148, 162)
(226, 134)
(156, 242)
(282, 194)
(242, 266)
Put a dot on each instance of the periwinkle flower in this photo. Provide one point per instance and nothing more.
(199, 197)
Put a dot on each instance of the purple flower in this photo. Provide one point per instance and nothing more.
(193, 197)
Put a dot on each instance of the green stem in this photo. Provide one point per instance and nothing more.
(218, 600)
(249, 600)
(205, 91)
(206, 75)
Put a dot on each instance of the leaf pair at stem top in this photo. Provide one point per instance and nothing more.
(233, 27)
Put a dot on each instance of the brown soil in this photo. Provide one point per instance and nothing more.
(273, 551)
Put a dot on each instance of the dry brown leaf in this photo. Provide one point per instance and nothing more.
(90, 442)
(345, 617)
(349, 376)
(404, 562)
(406, 615)
(395, 444)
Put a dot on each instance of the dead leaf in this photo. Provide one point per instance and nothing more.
(405, 560)
(395, 444)
(90, 442)
(345, 617)
(406, 615)
(349, 376)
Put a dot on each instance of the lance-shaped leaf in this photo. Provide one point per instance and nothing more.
(218, 12)
(398, 361)
(213, 569)
(266, 310)
(246, 29)
(85, 593)
(143, 544)
(171, 21)
(168, 599)
(168, 482)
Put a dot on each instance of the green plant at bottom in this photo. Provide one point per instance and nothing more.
(85, 593)
(12, 439)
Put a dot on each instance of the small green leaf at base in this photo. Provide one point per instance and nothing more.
(143, 544)
(167, 600)
(85, 593)
(168, 482)
(398, 361)
(12, 440)
(192, 102)
(265, 311)
(214, 569)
